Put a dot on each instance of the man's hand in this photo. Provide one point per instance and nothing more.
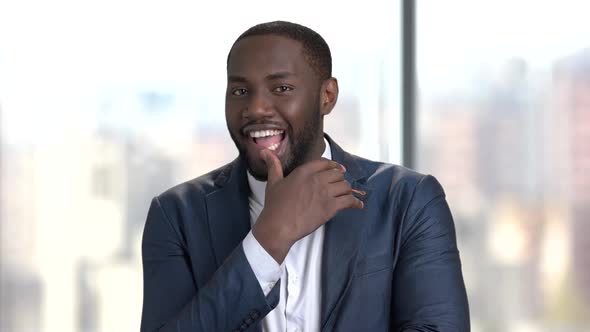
(298, 204)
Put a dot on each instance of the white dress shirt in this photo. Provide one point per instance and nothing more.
(300, 273)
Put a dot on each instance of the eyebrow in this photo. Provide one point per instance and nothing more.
(234, 78)
(279, 75)
(270, 77)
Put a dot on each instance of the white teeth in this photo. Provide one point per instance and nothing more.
(274, 146)
(265, 133)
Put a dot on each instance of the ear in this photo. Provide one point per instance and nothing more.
(328, 95)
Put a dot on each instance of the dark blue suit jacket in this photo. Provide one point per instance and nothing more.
(393, 266)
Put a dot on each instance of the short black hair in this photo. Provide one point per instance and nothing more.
(315, 48)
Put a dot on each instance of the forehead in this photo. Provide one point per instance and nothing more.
(267, 54)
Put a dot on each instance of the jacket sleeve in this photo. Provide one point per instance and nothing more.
(231, 300)
(428, 289)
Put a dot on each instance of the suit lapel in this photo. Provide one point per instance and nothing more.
(227, 210)
(342, 238)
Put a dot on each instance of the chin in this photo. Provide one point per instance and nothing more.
(260, 172)
(259, 176)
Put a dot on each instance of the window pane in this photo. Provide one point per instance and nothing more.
(504, 123)
(105, 104)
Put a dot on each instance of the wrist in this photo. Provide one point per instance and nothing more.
(273, 238)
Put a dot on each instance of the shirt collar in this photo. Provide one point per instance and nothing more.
(258, 188)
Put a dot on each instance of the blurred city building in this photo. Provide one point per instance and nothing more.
(509, 138)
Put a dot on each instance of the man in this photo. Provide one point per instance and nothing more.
(296, 234)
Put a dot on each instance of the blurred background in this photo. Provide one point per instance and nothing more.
(105, 104)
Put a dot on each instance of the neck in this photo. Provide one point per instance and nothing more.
(318, 149)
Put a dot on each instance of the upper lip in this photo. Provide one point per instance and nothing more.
(247, 129)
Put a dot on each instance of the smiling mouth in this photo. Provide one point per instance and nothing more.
(267, 139)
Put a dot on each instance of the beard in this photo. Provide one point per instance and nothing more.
(302, 143)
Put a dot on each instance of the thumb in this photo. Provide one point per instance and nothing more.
(273, 166)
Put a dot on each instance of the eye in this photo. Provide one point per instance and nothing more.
(239, 91)
(282, 88)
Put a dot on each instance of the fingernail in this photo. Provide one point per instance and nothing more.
(343, 168)
(360, 192)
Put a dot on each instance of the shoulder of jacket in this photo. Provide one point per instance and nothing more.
(199, 186)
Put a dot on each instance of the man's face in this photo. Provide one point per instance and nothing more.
(273, 102)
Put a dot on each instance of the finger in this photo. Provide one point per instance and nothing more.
(339, 189)
(347, 202)
(273, 166)
(323, 164)
(331, 175)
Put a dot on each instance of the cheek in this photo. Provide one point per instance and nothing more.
(297, 110)
(232, 115)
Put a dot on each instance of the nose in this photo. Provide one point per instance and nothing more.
(258, 107)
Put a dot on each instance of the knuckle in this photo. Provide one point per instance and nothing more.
(348, 187)
(322, 161)
(351, 200)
